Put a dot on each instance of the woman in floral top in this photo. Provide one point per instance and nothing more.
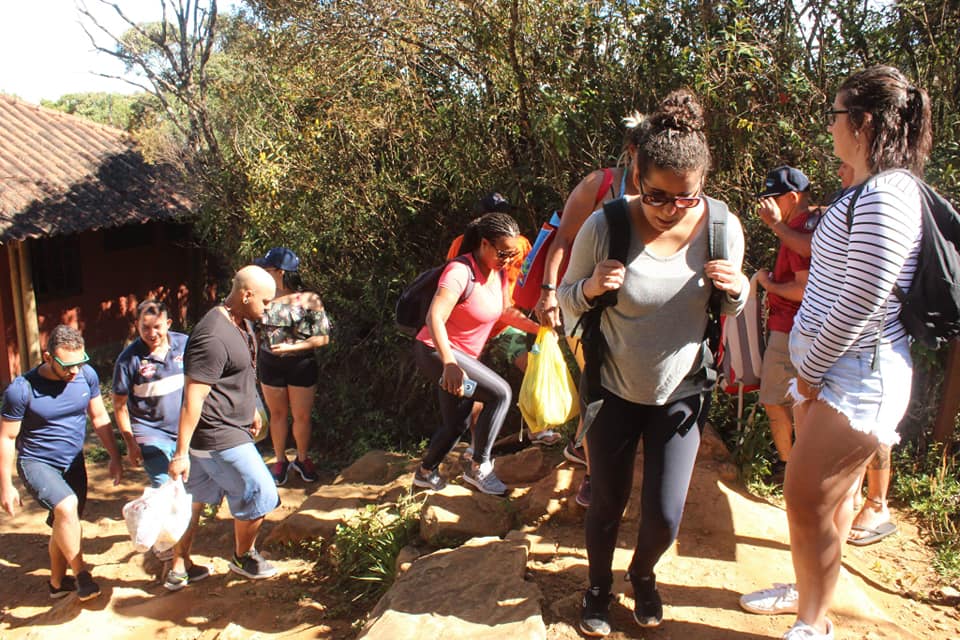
(292, 327)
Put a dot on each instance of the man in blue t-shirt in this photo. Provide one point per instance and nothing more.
(45, 422)
(147, 388)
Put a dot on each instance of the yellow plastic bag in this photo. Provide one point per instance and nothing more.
(548, 395)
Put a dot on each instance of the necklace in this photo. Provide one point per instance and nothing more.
(248, 339)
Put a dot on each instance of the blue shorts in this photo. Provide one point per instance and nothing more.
(240, 474)
(50, 485)
(873, 398)
(156, 461)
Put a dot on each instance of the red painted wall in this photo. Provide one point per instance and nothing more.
(114, 281)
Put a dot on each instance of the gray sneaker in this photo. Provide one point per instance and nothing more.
(484, 479)
(252, 565)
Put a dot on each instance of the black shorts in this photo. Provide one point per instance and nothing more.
(289, 371)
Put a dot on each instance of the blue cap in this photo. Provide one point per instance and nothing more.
(279, 258)
(784, 180)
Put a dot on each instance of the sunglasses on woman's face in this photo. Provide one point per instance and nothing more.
(658, 200)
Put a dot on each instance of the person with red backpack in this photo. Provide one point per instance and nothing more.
(598, 187)
(447, 349)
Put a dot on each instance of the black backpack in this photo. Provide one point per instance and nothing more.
(930, 310)
(414, 303)
(591, 337)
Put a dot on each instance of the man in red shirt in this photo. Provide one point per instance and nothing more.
(784, 207)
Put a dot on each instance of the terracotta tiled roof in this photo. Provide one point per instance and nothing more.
(61, 174)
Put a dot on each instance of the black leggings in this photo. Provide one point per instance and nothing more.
(492, 390)
(671, 437)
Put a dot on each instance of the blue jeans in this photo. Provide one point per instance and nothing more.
(238, 473)
(156, 460)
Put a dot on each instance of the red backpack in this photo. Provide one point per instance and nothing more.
(527, 292)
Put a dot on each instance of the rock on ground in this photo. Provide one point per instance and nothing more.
(473, 592)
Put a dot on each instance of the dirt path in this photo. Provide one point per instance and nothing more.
(729, 543)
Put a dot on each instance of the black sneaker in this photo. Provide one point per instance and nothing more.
(87, 589)
(176, 581)
(430, 480)
(252, 565)
(595, 613)
(306, 469)
(279, 471)
(648, 608)
(67, 585)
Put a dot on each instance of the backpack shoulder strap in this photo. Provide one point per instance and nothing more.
(717, 212)
(604, 186)
(617, 216)
(465, 260)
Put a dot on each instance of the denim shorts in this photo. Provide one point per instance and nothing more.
(873, 398)
(156, 460)
(240, 474)
(50, 485)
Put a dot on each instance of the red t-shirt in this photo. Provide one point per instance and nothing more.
(470, 322)
(781, 310)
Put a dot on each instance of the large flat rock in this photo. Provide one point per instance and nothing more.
(473, 592)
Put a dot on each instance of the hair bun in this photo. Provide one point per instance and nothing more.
(679, 111)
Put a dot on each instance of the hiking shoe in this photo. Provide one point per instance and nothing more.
(574, 454)
(782, 598)
(67, 585)
(252, 565)
(279, 470)
(803, 631)
(547, 437)
(176, 580)
(87, 589)
(306, 469)
(583, 494)
(595, 613)
(648, 607)
(484, 479)
(432, 480)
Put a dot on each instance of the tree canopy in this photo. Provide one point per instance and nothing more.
(359, 132)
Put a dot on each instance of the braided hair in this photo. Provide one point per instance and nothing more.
(488, 227)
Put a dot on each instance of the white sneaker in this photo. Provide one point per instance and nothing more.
(803, 631)
(782, 598)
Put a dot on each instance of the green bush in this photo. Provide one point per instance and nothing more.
(365, 549)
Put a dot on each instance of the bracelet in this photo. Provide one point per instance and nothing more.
(548, 287)
(175, 458)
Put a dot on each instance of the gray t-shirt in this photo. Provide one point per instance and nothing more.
(655, 331)
(220, 354)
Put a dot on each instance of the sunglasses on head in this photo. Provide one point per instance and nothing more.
(71, 365)
(680, 202)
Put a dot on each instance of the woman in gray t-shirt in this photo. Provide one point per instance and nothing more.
(651, 377)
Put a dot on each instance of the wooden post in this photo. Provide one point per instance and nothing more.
(943, 427)
(24, 305)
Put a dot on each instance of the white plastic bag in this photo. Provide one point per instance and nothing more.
(160, 517)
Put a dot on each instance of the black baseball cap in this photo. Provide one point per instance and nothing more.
(279, 258)
(784, 180)
(493, 202)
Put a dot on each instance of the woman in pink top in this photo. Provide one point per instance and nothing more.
(448, 347)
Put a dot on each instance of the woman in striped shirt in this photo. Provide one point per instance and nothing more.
(851, 352)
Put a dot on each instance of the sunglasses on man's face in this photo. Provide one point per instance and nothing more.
(72, 365)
